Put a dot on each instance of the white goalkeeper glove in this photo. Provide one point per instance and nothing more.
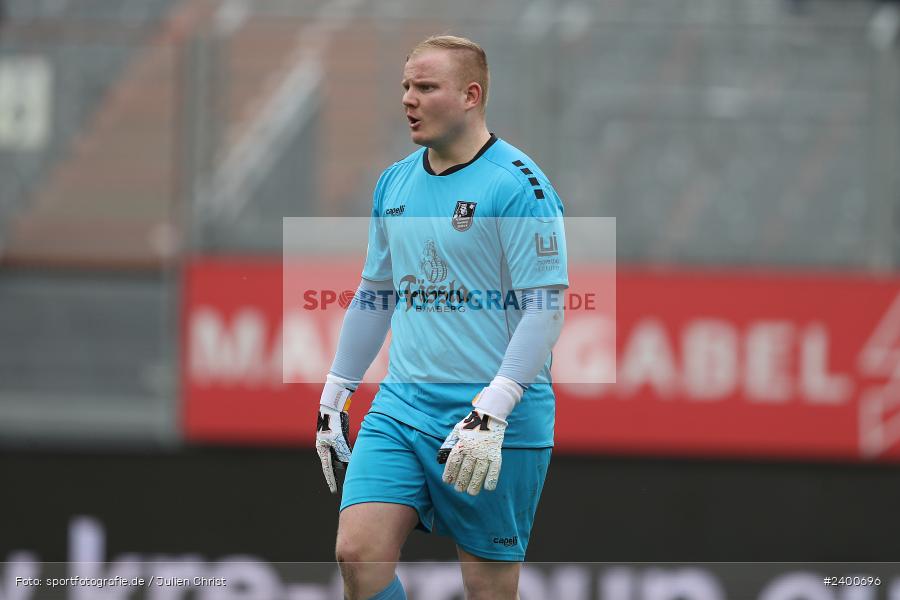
(333, 429)
(473, 450)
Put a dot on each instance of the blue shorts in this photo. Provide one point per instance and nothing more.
(392, 462)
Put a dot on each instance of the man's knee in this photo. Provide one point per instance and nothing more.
(489, 579)
(364, 559)
(373, 532)
(365, 567)
(368, 545)
(477, 587)
(350, 551)
(483, 587)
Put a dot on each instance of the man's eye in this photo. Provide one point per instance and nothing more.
(426, 88)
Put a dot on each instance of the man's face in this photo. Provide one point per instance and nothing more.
(434, 98)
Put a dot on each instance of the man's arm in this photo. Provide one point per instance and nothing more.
(472, 451)
(528, 349)
(365, 326)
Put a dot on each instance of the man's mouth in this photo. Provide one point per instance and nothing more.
(413, 122)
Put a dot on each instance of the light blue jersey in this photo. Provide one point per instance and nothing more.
(456, 246)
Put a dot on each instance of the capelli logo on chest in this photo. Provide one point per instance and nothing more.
(395, 212)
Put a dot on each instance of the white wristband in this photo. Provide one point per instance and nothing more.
(335, 394)
(500, 397)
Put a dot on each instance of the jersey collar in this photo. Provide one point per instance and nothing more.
(456, 168)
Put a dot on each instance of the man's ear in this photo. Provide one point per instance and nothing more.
(473, 94)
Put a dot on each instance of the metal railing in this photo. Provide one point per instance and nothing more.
(728, 133)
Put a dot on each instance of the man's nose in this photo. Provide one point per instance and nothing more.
(409, 98)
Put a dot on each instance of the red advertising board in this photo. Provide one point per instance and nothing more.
(707, 363)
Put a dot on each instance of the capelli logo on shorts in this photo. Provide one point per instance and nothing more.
(507, 541)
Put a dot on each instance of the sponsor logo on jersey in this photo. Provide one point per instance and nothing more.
(431, 265)
(546, 248)
(434, 289)
(463, 215)
(395, 212)
(429, 290)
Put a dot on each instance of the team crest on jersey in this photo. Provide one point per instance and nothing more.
(463, 215)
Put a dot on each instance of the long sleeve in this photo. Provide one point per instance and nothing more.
(365, 327)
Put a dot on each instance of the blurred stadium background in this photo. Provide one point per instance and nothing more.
(749, 150)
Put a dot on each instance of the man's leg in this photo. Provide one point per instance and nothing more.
(370, 536)
(383, 499)
(488, 579)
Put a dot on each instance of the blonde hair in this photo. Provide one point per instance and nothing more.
(472, 67)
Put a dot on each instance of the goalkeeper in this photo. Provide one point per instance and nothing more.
(466, 265)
